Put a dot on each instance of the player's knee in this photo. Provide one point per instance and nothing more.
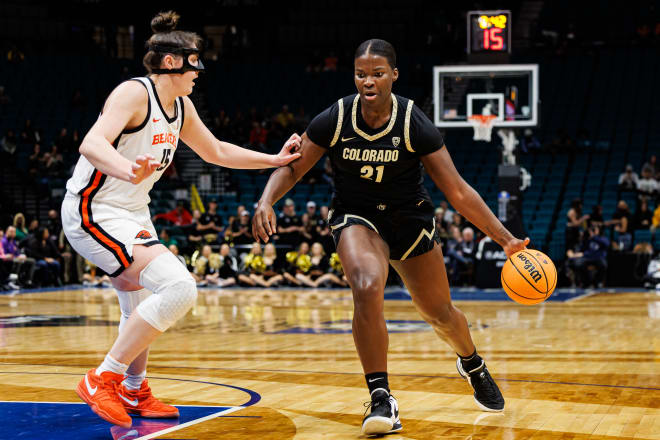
(441, 318)
(175, 291)
(367, 291)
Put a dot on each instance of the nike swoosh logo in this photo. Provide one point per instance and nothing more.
(155, 120)
(420, 202)
(90, 390)
(373, 380)
(343, 139)
(133, 402)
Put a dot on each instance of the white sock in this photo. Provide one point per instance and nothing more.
(111, 364)
(134, 381)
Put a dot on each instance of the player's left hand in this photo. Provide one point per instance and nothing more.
(514, 245)
(289, 151)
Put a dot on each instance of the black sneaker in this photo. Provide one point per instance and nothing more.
(486, 393)
(384, 416)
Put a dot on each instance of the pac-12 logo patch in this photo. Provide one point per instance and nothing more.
(143, 234)
(396, 140)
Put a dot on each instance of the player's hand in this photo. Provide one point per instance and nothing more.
(263, 223)
(144, 166)
(514, 245)
(289, 151)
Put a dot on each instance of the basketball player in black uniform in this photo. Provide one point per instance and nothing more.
(381, 214)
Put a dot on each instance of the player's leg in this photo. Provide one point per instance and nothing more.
(364, 256)
(174, 293)
(426, 280)
(135, 392)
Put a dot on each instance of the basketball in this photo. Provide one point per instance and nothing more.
(529, 277)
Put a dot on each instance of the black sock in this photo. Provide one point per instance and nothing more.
(471, 362)
(377, 380)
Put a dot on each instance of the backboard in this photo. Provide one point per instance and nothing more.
(508, 91)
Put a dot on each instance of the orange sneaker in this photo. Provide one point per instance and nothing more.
(143, 403)
(100, 393)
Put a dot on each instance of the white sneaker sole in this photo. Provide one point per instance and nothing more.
(377, 425)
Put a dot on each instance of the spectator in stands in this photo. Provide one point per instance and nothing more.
(33, 227)
(252, 265)
(643, 215)
(22, 265)
(8, 145)
(284, 118)
(175, 250)
(167, 239)
(289, 225)
(529, 142)
(298, 262)
(593, 254)
(323, 231)
(179, 216)
(235, 218)
(318, 266)
(222, 125)
(622, 221)
(202, 265)
(46, 255)
(193, 234)
(229, 267)
(596, 216)
(210, 223)
(651, 166)
(575, 223)
(64, 141)
(54, 224)
(31, 134)
(454, 258)
(54, 162)
(449, 214)
(35, 161)
(655, 222)
(328, 174)
(647, 187)
(458, 221)
(628, 179)
(258, 137)
(6, 267)
(330, 62)
(19, 224)
(267, 274)
(241, 230)
(307, 232)
(89, 277)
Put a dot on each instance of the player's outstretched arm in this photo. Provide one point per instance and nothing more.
(467, 201)
(126, 106)
(279, 183)
(198, 137)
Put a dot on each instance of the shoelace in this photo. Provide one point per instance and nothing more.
(488, 385)
(375, 403)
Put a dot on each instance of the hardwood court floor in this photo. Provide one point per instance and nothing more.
(588, 369)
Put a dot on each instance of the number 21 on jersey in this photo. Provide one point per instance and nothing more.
(367, 172)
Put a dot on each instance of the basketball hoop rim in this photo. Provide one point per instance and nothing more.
(482, 119)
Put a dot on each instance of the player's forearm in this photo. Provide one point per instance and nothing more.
(470, 204)
(232, 156)
(98, 151)
(279, 183)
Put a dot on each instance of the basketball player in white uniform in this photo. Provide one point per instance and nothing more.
(106, 218)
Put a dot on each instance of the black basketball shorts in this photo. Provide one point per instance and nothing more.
(409, 231)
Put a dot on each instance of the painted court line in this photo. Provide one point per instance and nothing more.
(190, 423)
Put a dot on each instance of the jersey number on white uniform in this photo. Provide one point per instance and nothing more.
(167, 152)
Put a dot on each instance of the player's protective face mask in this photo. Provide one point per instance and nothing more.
(190, 56)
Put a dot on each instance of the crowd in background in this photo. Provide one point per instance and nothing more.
(590, 237)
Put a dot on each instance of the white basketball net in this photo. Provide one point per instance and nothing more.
(483, 126)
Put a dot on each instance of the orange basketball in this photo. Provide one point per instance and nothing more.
(529, 277)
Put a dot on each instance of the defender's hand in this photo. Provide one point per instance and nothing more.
(289, 151)
(143, 167)
(263, 223)
(515, 245)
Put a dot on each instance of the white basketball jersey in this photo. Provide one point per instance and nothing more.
(158, 135)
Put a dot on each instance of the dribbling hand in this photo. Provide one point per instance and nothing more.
(144, 166)
(263, 222)
(289, 151)
(514, 245)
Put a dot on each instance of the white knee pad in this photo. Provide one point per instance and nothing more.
(128, 301)
(175, 291)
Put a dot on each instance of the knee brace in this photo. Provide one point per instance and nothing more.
(175, 291)
(128, 301)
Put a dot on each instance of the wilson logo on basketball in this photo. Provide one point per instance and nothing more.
(143, 234)
(530, 268)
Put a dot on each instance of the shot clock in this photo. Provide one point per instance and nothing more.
(489, 32)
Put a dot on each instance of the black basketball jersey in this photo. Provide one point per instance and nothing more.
(376, 168)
